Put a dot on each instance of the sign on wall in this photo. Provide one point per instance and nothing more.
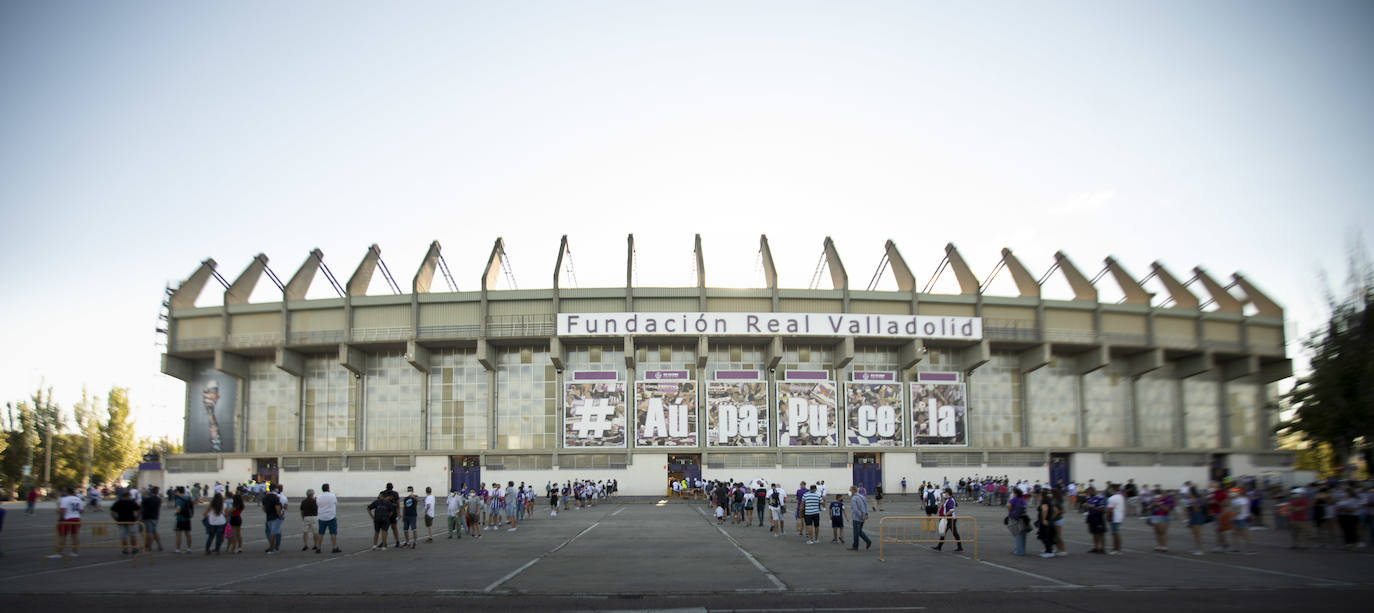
(736, 411)
(594, 410)
(666, 410)
(212, 396)
(939, 413)
(770, 324)
(807, 410)
(873, 405)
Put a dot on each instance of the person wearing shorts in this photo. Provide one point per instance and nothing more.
(327, 505)
(775, 512)
(310, 519)
(69, 509)
(380, 512)
(411, 504)
(429, 514)
(837, 519)
(152, 507)
(185, 507)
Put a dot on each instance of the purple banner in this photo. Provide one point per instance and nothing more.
(595, 375)
(665, 375)
(806, 375)
(738, 375)
(951, 377)
(875, 375)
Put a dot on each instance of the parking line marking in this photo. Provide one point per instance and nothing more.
(526, 565)
(618, 512)
(1188, 558)
(1030, 574)
(781, 587)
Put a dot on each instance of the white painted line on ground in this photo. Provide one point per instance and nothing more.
(1030, 574)
(781, 587)
(619, 511)
(63, 570)
(514, 573)
(1321, 581)
(280, 570)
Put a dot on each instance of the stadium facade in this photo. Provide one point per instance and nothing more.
(638, 384)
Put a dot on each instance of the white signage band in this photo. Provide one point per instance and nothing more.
(770, 324)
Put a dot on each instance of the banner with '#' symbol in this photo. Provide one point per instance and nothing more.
(594, 413)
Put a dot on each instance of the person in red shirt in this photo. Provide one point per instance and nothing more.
(1298, 507)
(32, 500)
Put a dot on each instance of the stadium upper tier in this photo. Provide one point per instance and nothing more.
(1237, 329)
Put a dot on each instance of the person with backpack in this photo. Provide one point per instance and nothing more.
(185, 509)
(1017, 522)
(380, 512)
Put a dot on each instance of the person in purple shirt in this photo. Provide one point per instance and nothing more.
(1096, 506)
(1017, 521)
(1161, 504)
(801, 491)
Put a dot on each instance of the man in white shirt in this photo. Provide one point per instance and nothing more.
(68, 522)
(429, 514)
(820, 489)
(327, 509)
(1116, 513)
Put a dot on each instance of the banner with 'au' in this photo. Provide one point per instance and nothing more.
(665, 414)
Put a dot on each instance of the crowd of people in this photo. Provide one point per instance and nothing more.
(471, 512)
(1323, 514)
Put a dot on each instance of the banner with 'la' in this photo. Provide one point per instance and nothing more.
(594, 414)
(939, 414)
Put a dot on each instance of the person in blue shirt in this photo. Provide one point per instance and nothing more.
(837, 519)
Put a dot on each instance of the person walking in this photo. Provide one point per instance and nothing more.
(837, 519)
(811, 514)
(1299, 510)
(801, 525)
(31, 501)
(949, 522)
(878, 495)
(858, 514)
(214, 519)
(454, 504)
(1196, 509)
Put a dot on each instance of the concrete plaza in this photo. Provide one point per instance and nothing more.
(670, 552)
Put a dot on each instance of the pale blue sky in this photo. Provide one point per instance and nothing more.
(138, 138)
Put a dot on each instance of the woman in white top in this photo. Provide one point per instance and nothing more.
(215, 519)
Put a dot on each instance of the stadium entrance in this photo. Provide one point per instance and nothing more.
(1059, 469)
(686, 466)
(868, 471)
(465, 471)
(265, 470)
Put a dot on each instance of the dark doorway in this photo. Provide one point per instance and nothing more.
(868, 471)
(1059, 469)
(686, 465)
(1217, 469)
(465, 471)
(265, 470)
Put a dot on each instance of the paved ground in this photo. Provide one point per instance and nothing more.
(644, 554)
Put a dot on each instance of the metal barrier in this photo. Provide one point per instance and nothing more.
(923, 529)
(100, 535)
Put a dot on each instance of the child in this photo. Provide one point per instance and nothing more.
(380, 512)
(837, 519)
(720, 515)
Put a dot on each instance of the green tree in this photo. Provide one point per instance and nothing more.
(1334, 403)
(87, 414)
(116, 449)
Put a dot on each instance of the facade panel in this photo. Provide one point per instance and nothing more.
(1158, 410)
(1053, 406)
(994, 412)
(527, 398)
(457, 401)
(1200, 425)
(272, 409)
(330, 406)
(1107, 400)
(391, 404)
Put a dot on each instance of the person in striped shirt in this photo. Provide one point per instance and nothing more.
(811, 514)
